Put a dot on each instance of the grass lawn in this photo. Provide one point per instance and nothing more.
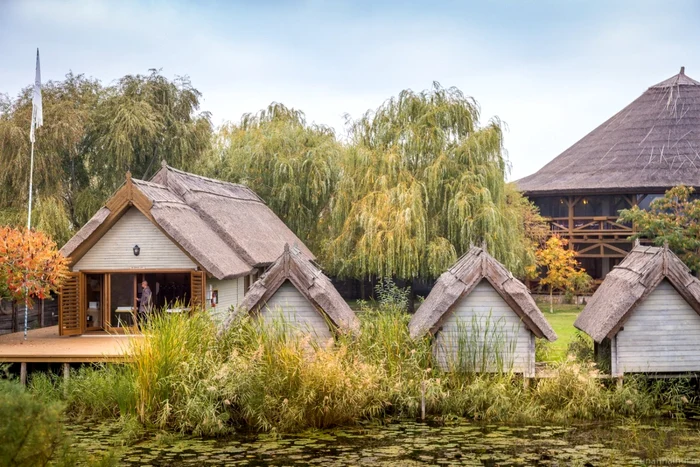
(562, 321)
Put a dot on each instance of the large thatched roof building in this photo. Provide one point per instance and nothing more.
(294, 289)
(646, 314)
(646, 148)
(192, 238)
(476, 309)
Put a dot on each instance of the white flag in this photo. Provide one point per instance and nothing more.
(37, 112)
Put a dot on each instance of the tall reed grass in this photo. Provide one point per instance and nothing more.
(479, 345)
(268, 376)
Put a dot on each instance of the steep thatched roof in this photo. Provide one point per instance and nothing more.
(629, 283)
(459, 281)
(224, 227)
(649, 146)
(294, 266)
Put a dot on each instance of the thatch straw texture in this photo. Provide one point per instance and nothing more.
(459, 281)
(226, 228)
(294, 266)
(629, 283)
(649, 146)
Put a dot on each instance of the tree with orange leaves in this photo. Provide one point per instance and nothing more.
(561, 270)
(30, 265)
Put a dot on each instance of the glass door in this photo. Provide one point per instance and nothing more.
(94, 301)
(122, 312)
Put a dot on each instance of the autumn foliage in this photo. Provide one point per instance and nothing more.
(561, 270)
(30, 264)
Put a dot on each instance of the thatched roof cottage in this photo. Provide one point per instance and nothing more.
(294, 289)
(645, 149)
(646, 314)
(482, 318)
(194, 240)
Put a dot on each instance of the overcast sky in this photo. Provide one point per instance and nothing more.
(551, 70)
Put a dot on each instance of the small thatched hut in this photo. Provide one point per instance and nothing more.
(646, 315)
(482, 318)
(294, 289)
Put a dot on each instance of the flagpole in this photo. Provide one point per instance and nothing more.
(29, 226)
(31, 183)
(37, 121)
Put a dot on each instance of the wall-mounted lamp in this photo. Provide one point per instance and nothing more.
(137, 250)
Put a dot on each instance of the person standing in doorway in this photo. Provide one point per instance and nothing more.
(144, 303)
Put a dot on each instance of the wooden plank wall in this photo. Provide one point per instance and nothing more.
(290, 304)
(230, 294)
(508, 336)
(114, 250)
(661, 335)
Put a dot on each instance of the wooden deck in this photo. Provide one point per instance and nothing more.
(44, 345)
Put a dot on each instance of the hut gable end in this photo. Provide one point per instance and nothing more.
(629, 284)
(461, 279)
(133, 228)
(293, 268)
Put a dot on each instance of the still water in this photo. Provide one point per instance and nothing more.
(412, 444)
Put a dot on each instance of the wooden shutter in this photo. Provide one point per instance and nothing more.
(69, 299)
(198, 283)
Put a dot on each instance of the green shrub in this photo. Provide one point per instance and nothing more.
(389, 295)
(31, 428)
(543, 350)
(581, 347)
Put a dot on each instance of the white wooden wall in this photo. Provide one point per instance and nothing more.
(115, 249)
(289, 304)
(230, 294)
(661, 335)
(500, 331)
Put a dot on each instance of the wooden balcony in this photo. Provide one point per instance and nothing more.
(594, 237)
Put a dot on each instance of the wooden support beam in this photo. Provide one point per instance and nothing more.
(571, 203)
(23, 373)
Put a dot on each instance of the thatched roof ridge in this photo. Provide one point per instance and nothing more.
(226, 228)
(294, 266)
(182, 182)
(461, 279)
(649, 146)
(629, 283)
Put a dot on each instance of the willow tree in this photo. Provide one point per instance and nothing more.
(421, 181)
(292, 165)
(141, 120)
(91, 136)
(59, 172)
